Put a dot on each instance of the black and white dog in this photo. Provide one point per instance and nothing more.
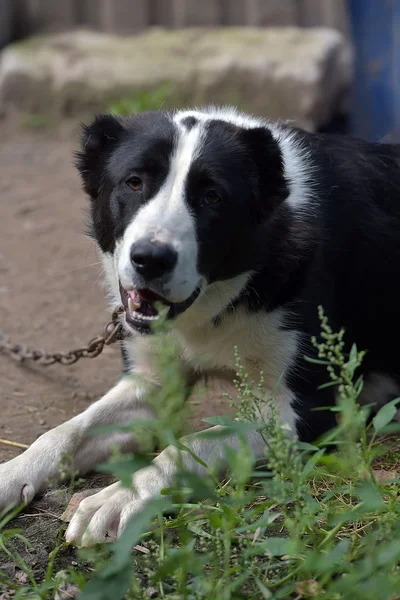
(241, 228)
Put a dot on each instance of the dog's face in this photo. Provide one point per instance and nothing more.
(178, 202)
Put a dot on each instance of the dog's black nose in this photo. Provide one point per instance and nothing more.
(153, 259)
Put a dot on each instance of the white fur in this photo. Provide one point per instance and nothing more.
(27, 474)
(262, 343)
(166, 217)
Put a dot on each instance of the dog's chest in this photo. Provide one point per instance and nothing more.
(260, 341)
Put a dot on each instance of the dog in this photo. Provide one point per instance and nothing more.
(241, 228)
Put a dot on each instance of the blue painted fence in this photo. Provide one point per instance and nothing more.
(376, 35)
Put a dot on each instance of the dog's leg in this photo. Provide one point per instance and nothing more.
(106, 513)
(24, 476)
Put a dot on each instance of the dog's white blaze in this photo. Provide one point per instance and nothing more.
(168, 218)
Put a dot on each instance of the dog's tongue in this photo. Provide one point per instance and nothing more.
(134, 300)
(137, 297)
(134, 294)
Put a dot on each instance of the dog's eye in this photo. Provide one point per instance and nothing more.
(135, 183)
(212, 197)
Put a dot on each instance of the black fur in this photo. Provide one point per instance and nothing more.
(189, 122)
(352, 267)
(113, 150)
(232, 235)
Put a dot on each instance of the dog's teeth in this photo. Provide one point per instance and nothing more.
(133, 306)
(147, 317)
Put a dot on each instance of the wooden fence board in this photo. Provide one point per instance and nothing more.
(116, 16)
(272, 12)
(234, 12)
(44, 15)
(128, 16)
(189, 13)
(161, 13)
(328, 13)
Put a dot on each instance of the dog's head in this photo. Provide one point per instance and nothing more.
(179, 201)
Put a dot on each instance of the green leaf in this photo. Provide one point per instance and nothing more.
(240, 462)
(200, 532)
(370, 497)
(111, 587)
(349, 516)
(265, 593)
(266, 519)
(124, 467)
(274, 546)
(312, 461)
(336, 555)
(184, 448)
(199, 485)
(353, 360)
(232, 425)
(389, 552)
(214, 433)
(385, 415)
(315, 361)
(181, 558)
(393, 427)
(327, 385)
(135, 527)
(322, 561)
(306, 446)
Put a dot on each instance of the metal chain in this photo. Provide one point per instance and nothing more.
(20, 352)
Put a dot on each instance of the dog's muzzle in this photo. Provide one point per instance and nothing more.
(141, 307)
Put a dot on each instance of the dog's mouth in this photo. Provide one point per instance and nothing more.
(140, 307)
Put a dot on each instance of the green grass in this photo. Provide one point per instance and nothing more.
(303, 524)
(140, 101)
(35, 121)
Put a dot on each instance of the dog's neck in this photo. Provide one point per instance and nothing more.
(214, 301)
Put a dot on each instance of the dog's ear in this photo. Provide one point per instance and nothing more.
(97, 141)
(264, 150)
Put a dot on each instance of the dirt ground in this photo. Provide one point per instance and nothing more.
(50, 297)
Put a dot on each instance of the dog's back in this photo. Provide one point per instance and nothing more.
(355, 270)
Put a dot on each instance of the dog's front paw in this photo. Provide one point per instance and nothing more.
(102, 516)
(16, 483)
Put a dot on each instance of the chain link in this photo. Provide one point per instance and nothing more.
(20, 352)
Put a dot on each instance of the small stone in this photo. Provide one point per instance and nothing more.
(21, 577)
(307, 589)
(66, 590)
(142, 549)
(383, 476)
